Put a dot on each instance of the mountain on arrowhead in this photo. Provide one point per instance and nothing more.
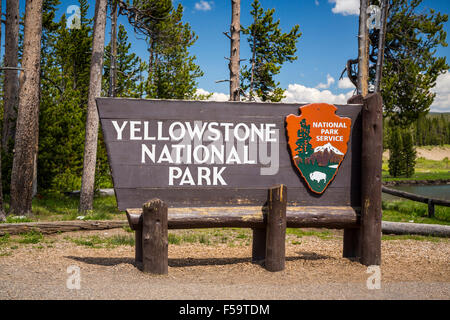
(325, 155)
(328, 147)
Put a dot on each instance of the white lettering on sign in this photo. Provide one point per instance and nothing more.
(205, 143)
(330, 131)
(119, 129)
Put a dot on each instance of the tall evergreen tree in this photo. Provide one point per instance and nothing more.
(128, 66)
(411, 66)
(395, 153)
(65, 65)
(270, 49)
(408, 154)
(172, 71)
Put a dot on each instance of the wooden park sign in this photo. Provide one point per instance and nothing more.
(215, 164)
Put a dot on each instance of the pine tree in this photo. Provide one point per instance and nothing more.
(173, 71)
(408, 154)
(127, 66)
(395, 153)
(270, 49)
(65, 65)
(411, 66)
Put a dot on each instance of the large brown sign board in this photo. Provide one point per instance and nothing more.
(204, 153)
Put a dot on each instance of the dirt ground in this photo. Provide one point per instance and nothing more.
(435, 153)
(410, 269)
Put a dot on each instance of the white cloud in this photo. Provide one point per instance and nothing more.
(345, 7)
(316, 2)
(298, 93)
(216, 96)
(330, 81)
(442, 89)
(203, 5)
(345, 83)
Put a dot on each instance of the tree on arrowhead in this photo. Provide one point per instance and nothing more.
(304, 148)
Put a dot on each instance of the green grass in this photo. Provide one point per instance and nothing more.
(229, 236)
(418, 176)
(411, 237)
(30, 237)
(190, 237)
(406, 211)
(103, 242)
(424, 170)
(57, 207)
(5, 240)
(16, 219)
(325, 235)
(127, 229)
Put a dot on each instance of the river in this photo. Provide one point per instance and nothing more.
(432, 191)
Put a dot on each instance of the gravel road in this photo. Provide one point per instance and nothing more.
(410, 269)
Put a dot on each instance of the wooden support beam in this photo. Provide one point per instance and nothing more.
(155, 243)
(371, 160)
(430, 208)
(351, 235)
(276, 229)
(259, 245)
(50, 227)
(351, 243)
(253, 217)
(138, 250)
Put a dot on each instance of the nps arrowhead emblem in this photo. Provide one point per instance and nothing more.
(318, 143)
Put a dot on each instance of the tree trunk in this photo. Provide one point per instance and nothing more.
(234, 64)
(113, 69)
(2, 210)
(95, 86)
(363, 50)
(27, 128)
(11, 76)
(253, 66)
(381, 41)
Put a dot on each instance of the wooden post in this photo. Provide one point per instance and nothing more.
(351, 243)
(259, 245)
(430, 208)
(155, 237)
(371, 159)
(351, 235)
(276, 229)
(138, 245)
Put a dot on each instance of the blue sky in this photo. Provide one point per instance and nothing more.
(329, 38)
